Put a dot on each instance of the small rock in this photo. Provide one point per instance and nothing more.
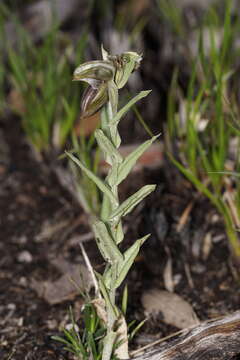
(20, 322)
(11, 306)
(175, 310)
(52, 324)
(23, 281)
(25, 257)
(198, 268)
(22, 240)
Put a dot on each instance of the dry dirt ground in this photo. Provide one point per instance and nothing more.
(41, 225)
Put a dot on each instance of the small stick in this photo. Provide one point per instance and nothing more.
(90, 269)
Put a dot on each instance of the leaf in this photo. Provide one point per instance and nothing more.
(106, 244)
(131, 202)
(129, 258)
(129, 162)
(109, 341)
(119, 236)
(99, 305)
(112, 176)
(107, 276)
(136, 329)
(124, 300)
(107, 148)
(121, 351)
(100, 184)
(105, 208)
(196, 182)
(126, 107)
(111, 309)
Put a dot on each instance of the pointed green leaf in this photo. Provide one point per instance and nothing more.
(112, 177)
(105, 208)
(119, 233)
(107, 275)
(132, 201)
(111, 309)
(108, 149)
(129, 257)
(125, 300)
(100, 184)
(137, 328)
(106, 244)
(126, 107)
(116, 139)
(128, 163)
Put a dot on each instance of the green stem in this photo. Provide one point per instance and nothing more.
(107, 114)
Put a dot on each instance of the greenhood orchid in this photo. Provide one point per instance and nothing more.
(104, 77)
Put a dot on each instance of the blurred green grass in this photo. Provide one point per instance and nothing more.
(199, 122)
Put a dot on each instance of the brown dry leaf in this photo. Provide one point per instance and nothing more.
(75, 278)
(100, 308)
(121, 351)
(175, 310)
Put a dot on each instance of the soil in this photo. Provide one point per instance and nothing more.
(32, 198)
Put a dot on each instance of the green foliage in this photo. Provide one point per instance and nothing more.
(171, 12)
(85, 342)
(201, 126)
(40, 75)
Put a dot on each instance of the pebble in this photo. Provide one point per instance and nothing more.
(11, 306)
(25, 257)
(21, 239)
(52, 324)
(23, 281)
(198, 268)
(20, 322)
